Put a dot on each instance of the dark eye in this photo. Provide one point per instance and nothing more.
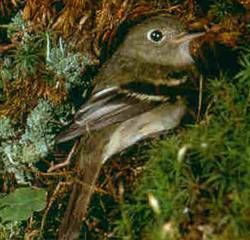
(155, 36)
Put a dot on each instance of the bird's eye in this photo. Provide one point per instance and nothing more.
(155, 36)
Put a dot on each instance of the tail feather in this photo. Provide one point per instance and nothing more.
(77, 209)
(89, 163)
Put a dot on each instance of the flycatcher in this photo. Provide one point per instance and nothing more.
(138, 93)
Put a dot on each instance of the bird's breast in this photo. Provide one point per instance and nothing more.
(158, 120)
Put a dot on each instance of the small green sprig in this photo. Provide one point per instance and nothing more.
(16, 25)
(64, 63)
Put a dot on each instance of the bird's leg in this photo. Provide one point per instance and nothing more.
(66, 162)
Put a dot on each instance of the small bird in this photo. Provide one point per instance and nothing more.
(139, 93)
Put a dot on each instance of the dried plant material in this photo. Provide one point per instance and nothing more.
(6, 47)
(6, 6)
(59, 191)
(199, 24)
(39, 12)
(74, 13)
(109, 17)
(245, 3)
(227, 32)
(23, 94)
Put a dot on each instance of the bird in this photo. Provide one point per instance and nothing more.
(138, 93)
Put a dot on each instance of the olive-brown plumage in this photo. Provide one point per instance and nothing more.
(126, 105)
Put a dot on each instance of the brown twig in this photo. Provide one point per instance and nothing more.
(6, 47)
(200, 98)
(55, 174)
(51, 201)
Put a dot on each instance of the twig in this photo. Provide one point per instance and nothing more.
(96, 189)
(51, 201)
(200, 98)
(6, 47)
(55, 173)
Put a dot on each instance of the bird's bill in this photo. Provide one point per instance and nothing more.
(184, 37)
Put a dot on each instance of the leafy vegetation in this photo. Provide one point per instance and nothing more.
(21, 204)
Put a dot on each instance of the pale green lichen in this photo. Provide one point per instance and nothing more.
(39, 130)
(66, 64)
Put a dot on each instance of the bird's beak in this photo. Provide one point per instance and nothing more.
(186, 37)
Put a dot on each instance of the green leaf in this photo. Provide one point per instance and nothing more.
(20, 205)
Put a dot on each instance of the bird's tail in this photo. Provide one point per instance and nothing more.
(89, 163)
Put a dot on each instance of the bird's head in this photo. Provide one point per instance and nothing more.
(161, 41)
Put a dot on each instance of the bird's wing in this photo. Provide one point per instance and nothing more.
(108, 106)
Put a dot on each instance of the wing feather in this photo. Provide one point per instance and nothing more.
(106, 107)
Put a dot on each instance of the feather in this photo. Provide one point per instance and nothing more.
(107, 107)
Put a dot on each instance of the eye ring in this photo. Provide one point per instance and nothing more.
(155, 36)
